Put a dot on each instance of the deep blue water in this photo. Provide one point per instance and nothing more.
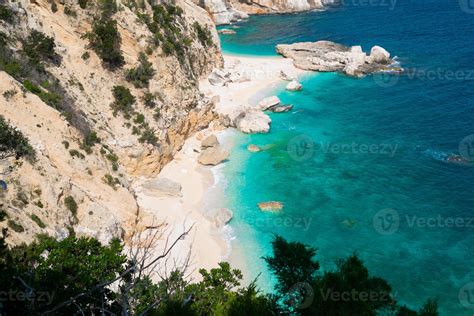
(358, 151)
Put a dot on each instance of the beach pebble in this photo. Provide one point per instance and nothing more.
(294, 86)
(253, 148)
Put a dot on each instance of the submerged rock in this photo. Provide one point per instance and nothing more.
(272, 206)
(327, 56)
(213, 156)
(227, 32)
(253, 121)
(294, 86)
(253, 148)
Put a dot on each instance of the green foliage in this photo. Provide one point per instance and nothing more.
(39, 47)
(3, 215)
(60, 270)
(13, 143)
(38, 221)
(71, 205)
(111, 181)
(203, 34)
(89, 141)
(50, 98)
(85, 56)
(123, 101)
(149, 99)
(70, 12)
(292, 262)
(15, 226)
(141, 75)
(107, 7)
(6, 14)
(54, 6)
(105, 40)
(148, 136)
(430, 308)
(83, 4)
(76, 153)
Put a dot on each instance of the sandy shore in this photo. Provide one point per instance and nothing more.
(206, 244)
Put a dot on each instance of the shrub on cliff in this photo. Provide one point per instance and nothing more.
(203, 34)
(40, 47)
(123, 101)
(105, 40)
(140, 75)
(6, 14)
(13, 143)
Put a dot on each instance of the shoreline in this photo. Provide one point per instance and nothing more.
(202, 189)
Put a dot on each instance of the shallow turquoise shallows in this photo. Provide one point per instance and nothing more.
(362, 164)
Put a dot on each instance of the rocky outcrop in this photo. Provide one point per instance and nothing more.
(222, 11)
(162, 187)
(282, 108)
(252, 121)
(268, 103)
(209, 141)
(213, 156)
(327, 56)
(294, 86)
(276, 6)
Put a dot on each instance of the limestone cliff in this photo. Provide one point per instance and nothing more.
(228, 11)
(87, 155)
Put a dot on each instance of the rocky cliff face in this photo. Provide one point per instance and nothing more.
(88, 154)
(228, 11)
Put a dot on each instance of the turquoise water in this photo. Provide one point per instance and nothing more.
(355, 152)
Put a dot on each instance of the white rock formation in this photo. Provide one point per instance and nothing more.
(268, 102)
(294, 86)
(253, 121)
(161, 187)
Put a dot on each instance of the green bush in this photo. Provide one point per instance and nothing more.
(105, 40)
(39, 47)
(3, 215)
(38, 221)
(13, 143)
(149, 99)
(82, 3)
(107, 7)
(89, 141)
(50, 98)
(140, 76)
(148, 136)
(123, 101)
(15, 226)
(76, 153)
(6, 14)
(71, 205)
(203, 34)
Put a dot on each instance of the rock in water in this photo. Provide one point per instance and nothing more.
(219, 216)
(253, 148)
(272, 206)
(294, 86)
(213, 156)
(253, 121)
(268, 102)
(329, 56)
(209, 141)
(379, 55)
(281, 108)
(227, 32)
(161, 187)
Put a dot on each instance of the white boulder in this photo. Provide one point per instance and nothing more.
(268, 102)
(294, 86)
(379, 55)
(253, 121)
